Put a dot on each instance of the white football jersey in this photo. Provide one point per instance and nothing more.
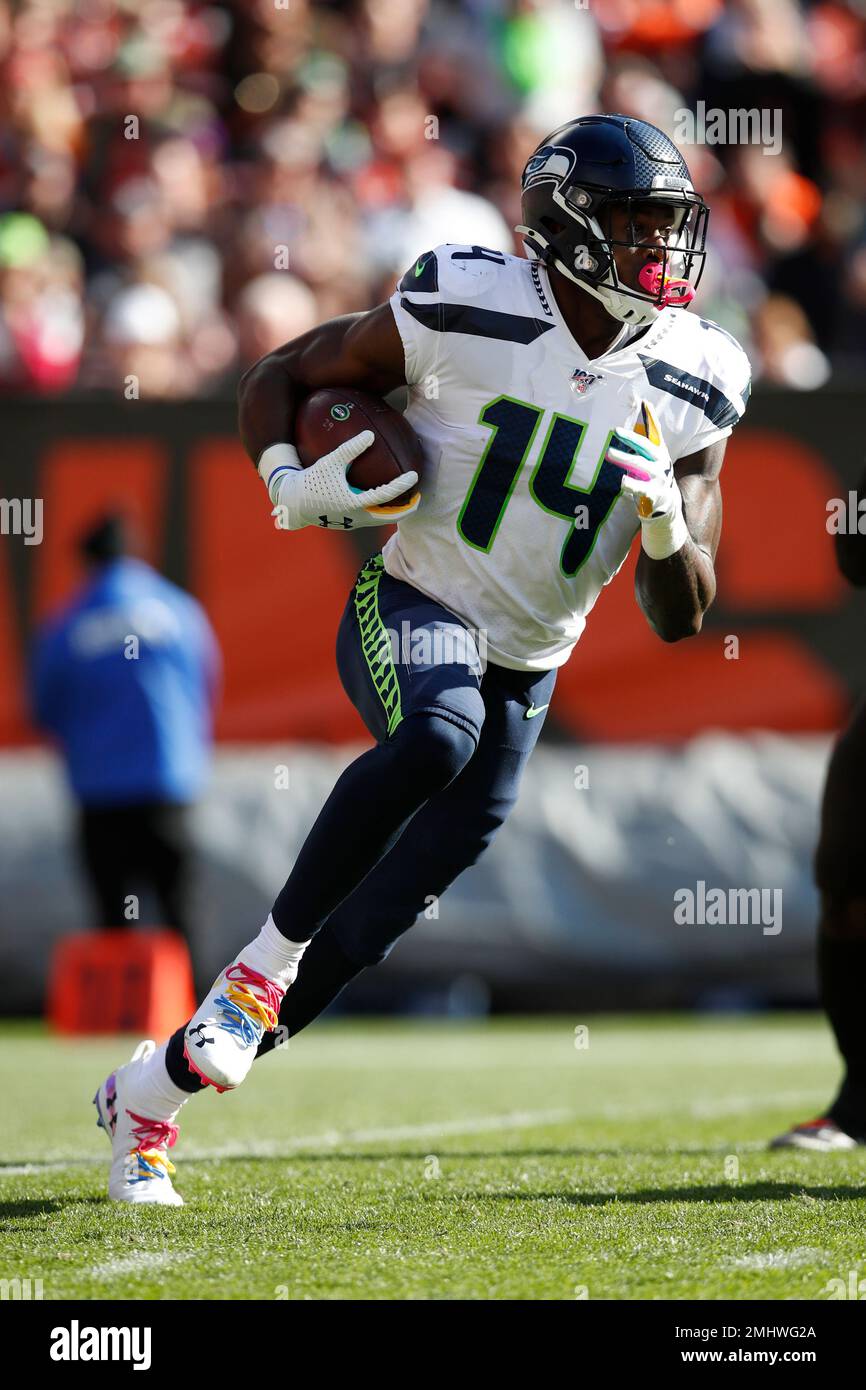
(521, 521)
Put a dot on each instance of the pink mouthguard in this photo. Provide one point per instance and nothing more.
(676, 293)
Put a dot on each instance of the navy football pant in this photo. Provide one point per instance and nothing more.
(409, 815)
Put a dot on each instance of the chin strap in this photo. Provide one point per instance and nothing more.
(625, 307)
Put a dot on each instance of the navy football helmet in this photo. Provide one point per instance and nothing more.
(573, 181)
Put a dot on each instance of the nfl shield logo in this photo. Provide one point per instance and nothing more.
(581, 381)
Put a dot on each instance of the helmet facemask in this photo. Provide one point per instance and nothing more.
(571, 229)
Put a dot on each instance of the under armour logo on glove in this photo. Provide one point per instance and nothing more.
(297, 492)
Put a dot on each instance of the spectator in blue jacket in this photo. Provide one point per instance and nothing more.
(125, 679)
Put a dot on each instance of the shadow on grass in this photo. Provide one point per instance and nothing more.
(720, 1192)
(24, 1209)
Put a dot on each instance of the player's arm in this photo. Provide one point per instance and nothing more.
(360, 350)
(851, 546)
(676, 591)
(680, 510)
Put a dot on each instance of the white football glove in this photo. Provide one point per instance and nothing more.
(648, 477)
(321, 495)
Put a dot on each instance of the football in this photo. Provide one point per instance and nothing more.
(329, 417)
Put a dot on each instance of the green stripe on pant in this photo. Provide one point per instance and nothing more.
(375, 641)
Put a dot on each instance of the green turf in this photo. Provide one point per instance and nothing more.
(401, 1160)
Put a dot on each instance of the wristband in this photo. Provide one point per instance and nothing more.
(663, 536)
(274, 463)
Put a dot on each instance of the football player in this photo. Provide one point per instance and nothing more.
(841, 879)
(566, 401)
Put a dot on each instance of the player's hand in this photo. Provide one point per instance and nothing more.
(321, 495)
(646, 464)
(648, 478)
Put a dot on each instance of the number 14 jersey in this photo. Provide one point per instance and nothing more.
(521, 521)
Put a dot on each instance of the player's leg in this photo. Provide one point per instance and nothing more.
(841, 878)
(107, 840)
(447, 836)
(421, 699)
(137, 1118)
(136, 1106)
(169, 857)
(172, 868)
(300, 898)
(428, 713)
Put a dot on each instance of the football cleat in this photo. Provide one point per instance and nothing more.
(140, 1168)
(221, 1040)
(821, 1136)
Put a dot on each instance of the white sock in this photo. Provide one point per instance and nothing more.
(274, 955)
(152, 1091)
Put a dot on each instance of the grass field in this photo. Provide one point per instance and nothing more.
(402, 1160)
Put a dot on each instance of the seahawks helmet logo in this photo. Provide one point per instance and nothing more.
(551, 161)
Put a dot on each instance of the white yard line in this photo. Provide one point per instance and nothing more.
(142, 1262)
(434, 1129)
(777, 1259)
(482, 1124)
(59, 1165)
(478, 1124)
(490, 1123)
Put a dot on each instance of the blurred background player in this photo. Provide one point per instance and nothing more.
(841, 879)
(125, 678)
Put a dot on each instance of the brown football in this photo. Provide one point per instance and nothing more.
(328, 417)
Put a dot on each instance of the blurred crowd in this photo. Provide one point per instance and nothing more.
(183, 186)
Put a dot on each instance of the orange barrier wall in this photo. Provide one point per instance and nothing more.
(275, 599)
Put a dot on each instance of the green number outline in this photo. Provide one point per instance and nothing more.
(572, 487)
(538, 411)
